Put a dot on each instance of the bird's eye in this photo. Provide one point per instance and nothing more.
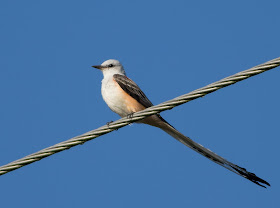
(110, 65)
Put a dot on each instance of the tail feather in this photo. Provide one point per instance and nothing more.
(211, 155)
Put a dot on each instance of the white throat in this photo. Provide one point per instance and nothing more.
(107, 73)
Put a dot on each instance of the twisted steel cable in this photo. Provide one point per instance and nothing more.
(139, 115)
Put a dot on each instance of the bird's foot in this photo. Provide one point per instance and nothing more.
(108, 123)
(130, 115)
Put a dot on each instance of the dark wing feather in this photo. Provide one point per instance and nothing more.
(132, 89)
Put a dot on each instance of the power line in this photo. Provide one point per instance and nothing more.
(139, 115)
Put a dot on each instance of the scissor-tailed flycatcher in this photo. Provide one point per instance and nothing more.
(124, 97)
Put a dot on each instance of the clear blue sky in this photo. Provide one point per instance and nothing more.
(50, 93)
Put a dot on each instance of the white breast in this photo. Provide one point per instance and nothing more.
(113, 96)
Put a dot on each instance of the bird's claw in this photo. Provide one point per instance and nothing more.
(108, 123)
(130, 115)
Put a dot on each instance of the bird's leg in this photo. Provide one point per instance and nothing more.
(130, 115)
(108, 123)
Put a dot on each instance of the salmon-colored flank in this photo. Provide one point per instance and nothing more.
(131, 104)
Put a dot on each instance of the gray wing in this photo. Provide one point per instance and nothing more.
(132, 89)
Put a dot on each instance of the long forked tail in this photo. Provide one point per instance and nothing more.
(212, 156)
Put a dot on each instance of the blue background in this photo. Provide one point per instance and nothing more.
(50, 93)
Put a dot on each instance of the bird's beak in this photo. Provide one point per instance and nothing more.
(98, 67)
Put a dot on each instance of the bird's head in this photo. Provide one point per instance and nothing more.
(111, 66)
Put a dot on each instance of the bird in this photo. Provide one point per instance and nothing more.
(124, 97)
